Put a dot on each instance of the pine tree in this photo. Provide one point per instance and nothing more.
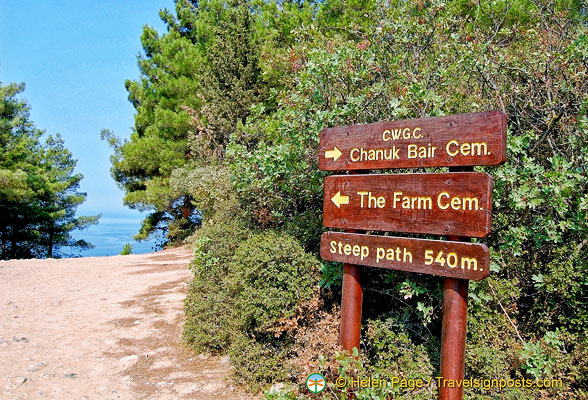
(38, 186)
(197, 83)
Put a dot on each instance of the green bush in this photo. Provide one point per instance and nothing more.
(259, 363)
(273, 279)
(247, 296)
(127, 249)
(210, 303)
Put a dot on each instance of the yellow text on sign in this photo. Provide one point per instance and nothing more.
(391, 254)
(401, 133)
(443, 201)
(451, 259)
(414, 151)
(404, 255)
(454, 148)
(348, 249)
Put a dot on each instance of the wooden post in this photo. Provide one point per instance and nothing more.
(453, 336)
(351, 303)
(453, 328)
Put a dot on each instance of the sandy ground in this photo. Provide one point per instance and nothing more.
(102, 328)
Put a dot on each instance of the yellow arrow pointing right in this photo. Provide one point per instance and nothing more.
(338, 199)
(334, 154)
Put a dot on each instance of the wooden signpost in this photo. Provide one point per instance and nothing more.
(455, 204)
(441, 204)
(457, 140)
(434, 257)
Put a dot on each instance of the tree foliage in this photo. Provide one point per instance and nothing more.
(197, 83)
(39, 187)
(233, 97)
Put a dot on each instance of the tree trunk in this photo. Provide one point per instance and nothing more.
(13, 247)
(50, 245)
(186, 211)
(4, 255)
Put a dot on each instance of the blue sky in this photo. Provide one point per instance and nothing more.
(74, 57)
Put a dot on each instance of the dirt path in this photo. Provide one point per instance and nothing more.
(102, 328)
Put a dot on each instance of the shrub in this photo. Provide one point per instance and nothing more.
(127, 249)
(210, 304)
(247, 298)
(274, 281)
(274, 278)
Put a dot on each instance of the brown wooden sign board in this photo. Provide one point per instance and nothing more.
(451, 141)
(456, 203)
(434, 257)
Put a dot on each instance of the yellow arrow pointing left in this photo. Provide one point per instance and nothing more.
(334, 154)
(338, 199)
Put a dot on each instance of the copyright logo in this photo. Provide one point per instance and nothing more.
(341, 382)
(315, 382)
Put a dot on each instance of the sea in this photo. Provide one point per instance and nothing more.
(109, 237)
